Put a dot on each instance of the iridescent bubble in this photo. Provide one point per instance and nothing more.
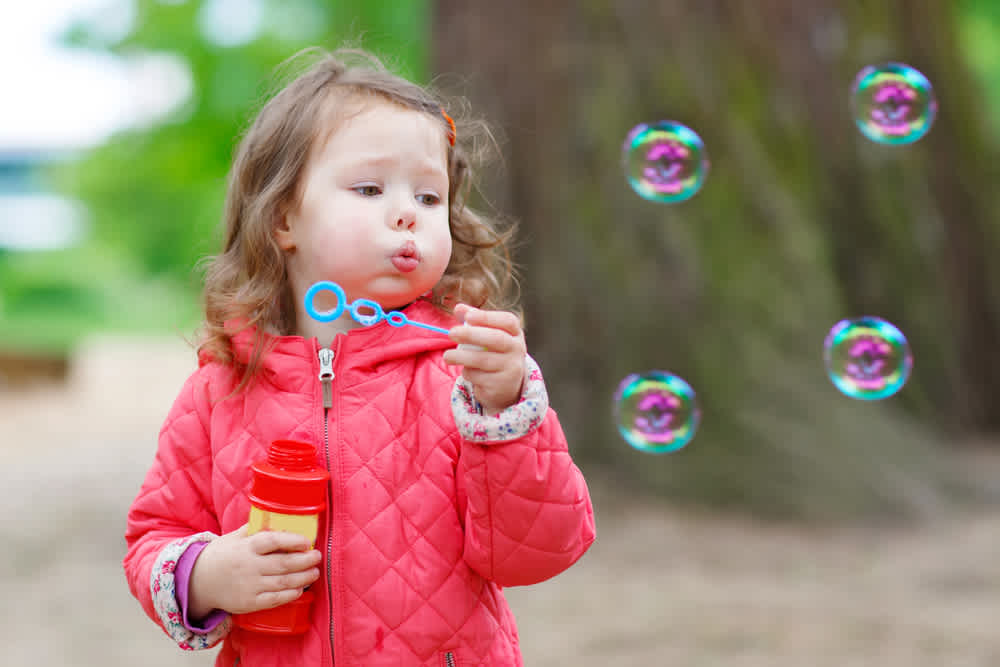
(867, 358)
(665, 162)
(656, 411)
(893, 103)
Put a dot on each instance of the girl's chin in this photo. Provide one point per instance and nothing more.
(390, 293)
(396, 305)
(393, 301)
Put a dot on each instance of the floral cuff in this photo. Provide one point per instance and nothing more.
(512, 422)
(162, 583)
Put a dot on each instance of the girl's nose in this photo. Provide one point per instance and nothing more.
(405, 218)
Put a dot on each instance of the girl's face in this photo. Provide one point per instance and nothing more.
(373, 215)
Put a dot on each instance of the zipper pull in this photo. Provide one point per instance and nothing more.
(326, 375)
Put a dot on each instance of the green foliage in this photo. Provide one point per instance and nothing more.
(978, 26)
(155, 193)
(52, 299)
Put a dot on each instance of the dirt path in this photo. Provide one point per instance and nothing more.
(659, 587)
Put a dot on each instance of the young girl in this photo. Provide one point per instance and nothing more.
(450, 476)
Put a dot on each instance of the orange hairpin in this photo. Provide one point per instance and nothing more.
(451, 124)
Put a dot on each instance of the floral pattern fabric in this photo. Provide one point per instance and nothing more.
(513, 422)
(162, 583)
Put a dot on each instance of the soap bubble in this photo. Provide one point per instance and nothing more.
(656, 411)
(665, 162)
(867, 358)
(893, 103)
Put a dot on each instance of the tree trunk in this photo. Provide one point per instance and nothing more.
(802, 222)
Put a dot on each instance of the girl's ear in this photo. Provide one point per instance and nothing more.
(284, 233)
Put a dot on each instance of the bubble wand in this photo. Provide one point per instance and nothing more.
(394, 317)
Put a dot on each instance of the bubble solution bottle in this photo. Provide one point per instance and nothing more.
(288, 492)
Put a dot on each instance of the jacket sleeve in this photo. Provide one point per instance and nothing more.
(526, 507)
(172, 511)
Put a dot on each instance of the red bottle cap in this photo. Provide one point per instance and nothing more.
(289, 481)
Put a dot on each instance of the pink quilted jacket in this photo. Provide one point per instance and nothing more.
(434, 507)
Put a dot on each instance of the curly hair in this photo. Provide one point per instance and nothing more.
(247, 282)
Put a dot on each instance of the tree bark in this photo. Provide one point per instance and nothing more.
(802, 222)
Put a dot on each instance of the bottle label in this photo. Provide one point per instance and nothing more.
(306, 525)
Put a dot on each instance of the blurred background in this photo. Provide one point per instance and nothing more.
(798, 526)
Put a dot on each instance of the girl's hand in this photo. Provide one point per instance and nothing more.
(492, 353)
(240, 573)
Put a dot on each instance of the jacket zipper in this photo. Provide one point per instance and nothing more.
(449, 659)
(326, 356)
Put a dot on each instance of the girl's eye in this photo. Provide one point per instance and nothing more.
(429, 200)
(367, 190)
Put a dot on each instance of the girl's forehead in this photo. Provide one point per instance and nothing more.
(383, 114)
(340, 108)
(377, 124)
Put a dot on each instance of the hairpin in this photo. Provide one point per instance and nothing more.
(451, 124)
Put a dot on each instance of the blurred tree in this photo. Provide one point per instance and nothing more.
(802, 222)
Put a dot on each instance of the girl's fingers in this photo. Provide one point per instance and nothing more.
(269, 541)
(283, 563)
(290, 581)
(493, 340)
(478, 358)
(270, 599)
(460, 312)
(494, 319)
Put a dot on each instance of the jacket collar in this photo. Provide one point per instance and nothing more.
(365, 346)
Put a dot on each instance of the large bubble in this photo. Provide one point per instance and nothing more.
(867, 358)
(664, 162)
(656, 411)
(893, 103)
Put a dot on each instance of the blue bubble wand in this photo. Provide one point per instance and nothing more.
(376, 314)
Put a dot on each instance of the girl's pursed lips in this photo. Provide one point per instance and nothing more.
(407, 249)
(407, 257)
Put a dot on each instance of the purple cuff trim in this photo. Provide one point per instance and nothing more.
(182, 577)
(163, 589)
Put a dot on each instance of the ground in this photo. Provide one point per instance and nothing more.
(659, 587)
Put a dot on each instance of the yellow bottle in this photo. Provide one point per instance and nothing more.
(288, 493)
